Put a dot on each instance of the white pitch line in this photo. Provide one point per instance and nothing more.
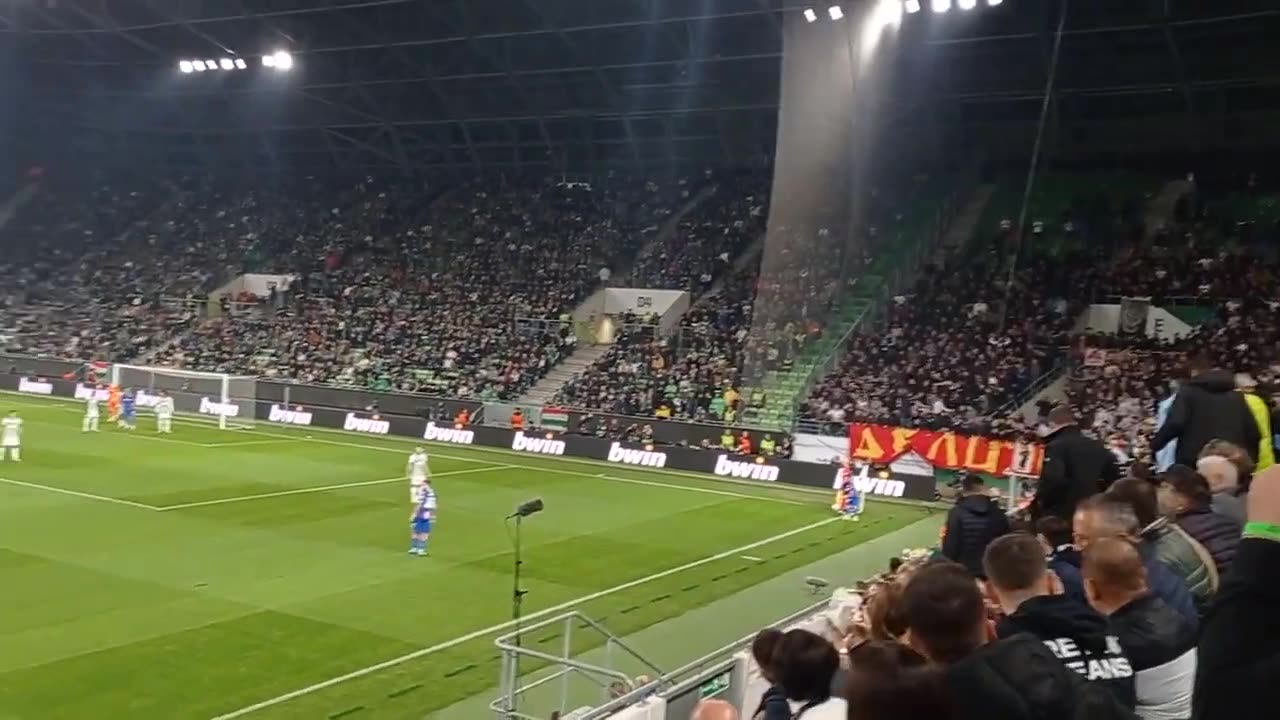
(690, 488)
(752, 558)
(503, 626)
(307, 490)
(245, 442)
(77, 493)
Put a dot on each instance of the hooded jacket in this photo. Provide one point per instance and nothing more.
(1161, 645)
(1020, 678)
(972, 524)
(1076, 467)
(1207, 407)
(1186, 558)
(1079, 637)
(1219, 534)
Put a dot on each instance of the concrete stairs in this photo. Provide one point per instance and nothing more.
(545, 389)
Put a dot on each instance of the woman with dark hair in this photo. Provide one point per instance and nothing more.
(773, 705)
(806, 666)
(890, 681)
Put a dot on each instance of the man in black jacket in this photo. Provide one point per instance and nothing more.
(1016, 678)
(1018, 573)
(1159, 642)
(1076, 466)
(1239, 659)
(974, 522)
(1207, 407)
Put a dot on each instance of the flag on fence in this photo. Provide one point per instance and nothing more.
(555, 419)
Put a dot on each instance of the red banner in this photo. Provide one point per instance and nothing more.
(884, 444)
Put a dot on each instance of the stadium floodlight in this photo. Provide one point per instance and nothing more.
(967, 4)
(912, 6)
(993, 3)
(226, 64)
(836, 12)
(940, 6)
(280, 60)
(211, 64)
(186, 66)
(198, 65)
(810, 15)
(240, 63)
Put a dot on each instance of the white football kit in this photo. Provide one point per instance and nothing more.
(90, 422)
(164, 415)
(419, 473)
(11, 439)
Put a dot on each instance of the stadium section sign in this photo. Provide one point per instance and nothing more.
(883, 444)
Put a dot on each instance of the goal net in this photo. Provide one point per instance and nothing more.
(228, 400)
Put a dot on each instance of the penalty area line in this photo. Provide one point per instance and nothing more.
(393, 662)
(77, 493)
(307, 490)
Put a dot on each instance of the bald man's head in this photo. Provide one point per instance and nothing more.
(715, 710)
(1114, 574)
(1222, 474)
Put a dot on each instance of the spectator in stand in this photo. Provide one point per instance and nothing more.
(1075, 467)
(972, 524)
(1015, 678)
(1248, 387)
(1239, 653)
(1224, 482)
(1160, 643)
(1180, 552)
(715, 710)
(806, 666)
(1101, 517)
(890, 681)
(1207, 407)
(1062, 557)
(1033, 602)
(1185, 497)
(774, 705)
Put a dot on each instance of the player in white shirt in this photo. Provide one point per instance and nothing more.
(90, 422)
(11, 437)
(164, 413)
(418, 472)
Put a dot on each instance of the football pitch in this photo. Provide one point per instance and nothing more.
(263, 573)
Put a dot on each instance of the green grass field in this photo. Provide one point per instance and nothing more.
(203, 574)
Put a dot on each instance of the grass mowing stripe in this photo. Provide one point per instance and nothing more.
(77, 493)
(323, 488)
(508, 625)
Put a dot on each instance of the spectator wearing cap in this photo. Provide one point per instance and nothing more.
(972, 524)
(1248, 387)
(1014, 678)
(1185, 497)
(1159, 643)
(1033, 602)
(1239, 652)
(1076, 466)
(1180, 552)
(1207, 407)
(1224, 481)
(806, 665)
(1103, 517)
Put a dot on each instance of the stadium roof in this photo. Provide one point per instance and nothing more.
(578, 84)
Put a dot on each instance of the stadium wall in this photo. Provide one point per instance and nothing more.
(357, 421)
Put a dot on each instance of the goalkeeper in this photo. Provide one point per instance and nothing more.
(164, 413)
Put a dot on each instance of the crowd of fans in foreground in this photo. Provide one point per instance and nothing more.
(1146, 596)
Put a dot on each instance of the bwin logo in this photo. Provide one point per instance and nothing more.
(450, 435)
(209, 407)
(286, 416)
(629, 456)
(372, 425)
(539, 446)
(728, 467)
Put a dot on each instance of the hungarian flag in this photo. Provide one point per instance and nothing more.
(555, 419)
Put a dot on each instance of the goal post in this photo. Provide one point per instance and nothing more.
(228, 400)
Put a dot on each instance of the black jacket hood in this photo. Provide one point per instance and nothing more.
(977, 504)
(1214, 381)
(1049, 617)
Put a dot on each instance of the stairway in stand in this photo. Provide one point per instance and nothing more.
(545, 389)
